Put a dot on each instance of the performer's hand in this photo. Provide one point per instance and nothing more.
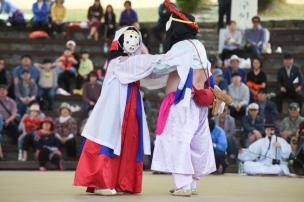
(123, 58)
(277, 145)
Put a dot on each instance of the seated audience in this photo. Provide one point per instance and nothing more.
(66, 79)
(41, 11)
(66, 129)
(1, 138)
(268, 155)
(256, 78)
(58, 14)
(159, 29)
(5, 77)
(219, 80)
(29, 124)
(232, 41)
(219, 141)
(95, 14)
(290, 82)
(91, 91)
(48, 145)
(85, 67)
(291, 123)
(8, 113)
(239, 93)
(15, 15)
(234, 67)
(128, 16)
(227, 123)
(26, 65)
(47, 83)
(71, 45)
(297, 146)
(25, 92)
(109, 23)
(255, 38)
(252, 126)
(267, 109)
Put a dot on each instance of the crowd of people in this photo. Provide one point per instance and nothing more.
(28, 93)
(252, 121)
(51, 17)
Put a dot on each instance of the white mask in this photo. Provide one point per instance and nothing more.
(131, 41)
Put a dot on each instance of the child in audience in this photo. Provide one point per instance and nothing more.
(67, 77)
(85, 67)
(47, 145)
(47, 82)
(30, 123)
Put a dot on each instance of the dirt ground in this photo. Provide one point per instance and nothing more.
(50, 186)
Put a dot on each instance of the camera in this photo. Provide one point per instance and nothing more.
(276, 162)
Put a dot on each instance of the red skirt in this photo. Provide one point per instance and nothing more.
(122, 173)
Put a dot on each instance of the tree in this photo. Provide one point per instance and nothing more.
(188, 5)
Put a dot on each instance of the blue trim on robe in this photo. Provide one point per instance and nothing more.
(180, 93)
(212, 82)
(83, 141)
(107, 151)
(140, 151)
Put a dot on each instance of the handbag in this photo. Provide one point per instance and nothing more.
(203, 97)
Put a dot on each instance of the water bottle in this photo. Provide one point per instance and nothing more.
(241, 168)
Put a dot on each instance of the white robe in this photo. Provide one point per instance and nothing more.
(105, 121)
(185, 146)
(258, 158)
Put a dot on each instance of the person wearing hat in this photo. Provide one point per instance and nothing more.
(291, 123)
(28, 125)
(252, 125)
(234, 68)
(219, 80)
(66, 130)
(255, 38)
(240, 96)
(290, 82)
(268, 155)
(47, 145)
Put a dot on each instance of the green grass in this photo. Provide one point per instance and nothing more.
(144, 15)
(284, 11)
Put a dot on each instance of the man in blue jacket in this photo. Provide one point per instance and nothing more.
(220, 145)
(41, 11)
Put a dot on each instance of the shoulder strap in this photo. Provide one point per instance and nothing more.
(199, 56)
(5, 108)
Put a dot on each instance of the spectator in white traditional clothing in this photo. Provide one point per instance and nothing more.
(268, 155)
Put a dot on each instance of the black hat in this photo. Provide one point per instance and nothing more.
(269, 124)
(288, 56)
(235, 74)
(3, 86)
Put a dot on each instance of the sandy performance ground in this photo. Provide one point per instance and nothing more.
(57, 186)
